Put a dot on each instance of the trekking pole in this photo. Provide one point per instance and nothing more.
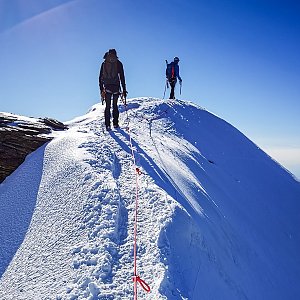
(180, 86)
(166, 86)
(102, 94)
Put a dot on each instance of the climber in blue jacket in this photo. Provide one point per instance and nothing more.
(172, 73)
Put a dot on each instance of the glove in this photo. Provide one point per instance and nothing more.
(180, 81)
(125, 95)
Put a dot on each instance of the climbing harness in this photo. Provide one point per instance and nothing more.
(136, 278)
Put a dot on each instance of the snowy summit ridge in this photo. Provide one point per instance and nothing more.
(217, 217)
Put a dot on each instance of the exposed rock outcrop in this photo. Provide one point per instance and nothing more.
(20, 136)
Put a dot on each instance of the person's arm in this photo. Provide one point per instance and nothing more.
(177, 73)
(100, 78)
(122, 76)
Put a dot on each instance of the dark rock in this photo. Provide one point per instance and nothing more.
(6, 119)
(20, 136)
(56, 125)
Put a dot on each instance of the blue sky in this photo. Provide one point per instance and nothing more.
(238, 59)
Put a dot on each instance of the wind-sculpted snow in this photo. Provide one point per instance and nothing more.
(217, 217)
(17, 205)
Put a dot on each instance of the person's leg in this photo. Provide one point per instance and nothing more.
(115, 110)
(107, 109)
(172, 85)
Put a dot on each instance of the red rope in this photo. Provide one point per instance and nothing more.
(143, 284)
(136, 278)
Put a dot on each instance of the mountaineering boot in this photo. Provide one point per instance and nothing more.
(108, 128)
(116, 126)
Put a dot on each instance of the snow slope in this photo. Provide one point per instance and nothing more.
(218, 218)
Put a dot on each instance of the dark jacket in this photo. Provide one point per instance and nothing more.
(176, 71)
(113, 86)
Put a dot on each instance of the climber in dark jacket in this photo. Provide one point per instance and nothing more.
(172, 73)
(110, 78)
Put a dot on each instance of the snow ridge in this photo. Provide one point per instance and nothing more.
(217, 217)
(102, 263)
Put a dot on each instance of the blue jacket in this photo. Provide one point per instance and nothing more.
(176, 71)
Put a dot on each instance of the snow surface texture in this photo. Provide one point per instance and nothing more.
(217, 218)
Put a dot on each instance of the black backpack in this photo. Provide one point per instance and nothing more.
(110, 73)
(170, 71)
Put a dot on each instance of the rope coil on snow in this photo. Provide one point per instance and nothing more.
(143, 284)
(138, 171)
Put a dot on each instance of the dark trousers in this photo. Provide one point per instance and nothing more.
(107, 114)
(172, 85)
